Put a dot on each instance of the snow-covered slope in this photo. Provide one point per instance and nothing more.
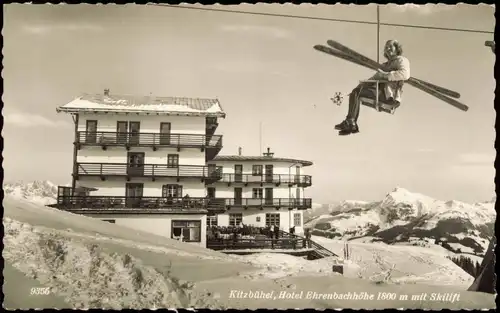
(40, 192)
(407, 217)
(88, 263)
(404, 264)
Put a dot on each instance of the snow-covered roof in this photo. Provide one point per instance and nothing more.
(144, 104)
(259, 158)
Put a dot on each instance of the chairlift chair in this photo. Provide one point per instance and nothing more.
(377, 104)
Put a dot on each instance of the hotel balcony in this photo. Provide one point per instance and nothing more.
(277, 203)
(276, 179)
(104, 171)
(212, 144)
(148, 205)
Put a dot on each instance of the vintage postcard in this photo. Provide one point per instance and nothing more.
(249, 156)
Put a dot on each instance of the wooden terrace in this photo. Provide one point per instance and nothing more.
(285, 243)
(152, 171)
(258, 243)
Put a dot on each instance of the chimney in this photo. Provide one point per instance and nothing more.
(106, 92)
(268, 153)
(239, 151)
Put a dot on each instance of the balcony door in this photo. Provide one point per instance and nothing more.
(211, 192)
(165, 129)
(238, 196)
(135, 164)
(297, 174)
(268, 197)
(269, 173)
(133, 194)
(238, 173)
(121, 132)
(134, 129)
(91, 132)
(298, 201)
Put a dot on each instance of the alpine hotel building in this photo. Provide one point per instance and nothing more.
(150, 163)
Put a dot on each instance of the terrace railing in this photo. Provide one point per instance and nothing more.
(148, 170)
(299, 203)
(108, 203)
(278, 179)
(155, 140)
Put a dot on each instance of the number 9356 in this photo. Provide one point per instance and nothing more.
(40, 291)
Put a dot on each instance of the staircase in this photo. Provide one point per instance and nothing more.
(318, 252)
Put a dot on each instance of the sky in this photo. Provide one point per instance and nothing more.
(264, 70)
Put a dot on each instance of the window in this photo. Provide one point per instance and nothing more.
(297, 219)
(109, 221)
(212, 220)
(257, 219)
(171, 191)
(187, 231)
(173, 160)
(273, 219)
(257, 170)
(257, 193)
(235, 219)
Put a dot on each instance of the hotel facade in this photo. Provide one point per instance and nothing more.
(152, 164)
(141, 162)
(261, 191)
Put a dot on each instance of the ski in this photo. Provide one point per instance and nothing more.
(367, 60)
(342, 55)
(417, 84)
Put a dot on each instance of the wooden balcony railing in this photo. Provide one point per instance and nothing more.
(211, 204)
(105, 204)
(154, 171)
(277, 179)
(300, 203)
(257, 243)
(153, 140)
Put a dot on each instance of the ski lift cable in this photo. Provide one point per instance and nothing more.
(324, 19)
(378, 33)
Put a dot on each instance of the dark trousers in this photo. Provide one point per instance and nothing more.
(365, 91)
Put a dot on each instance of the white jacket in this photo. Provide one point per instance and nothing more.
(399, 71)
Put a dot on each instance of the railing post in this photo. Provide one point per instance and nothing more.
(100, 170)
(154, 139)
(153, 170)
(178, 170)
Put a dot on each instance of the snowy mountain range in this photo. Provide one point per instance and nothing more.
(40, 191)
(404, 217)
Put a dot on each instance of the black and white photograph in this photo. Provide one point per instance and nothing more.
(246, 156)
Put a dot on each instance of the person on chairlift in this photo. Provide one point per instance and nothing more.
(392, 75)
